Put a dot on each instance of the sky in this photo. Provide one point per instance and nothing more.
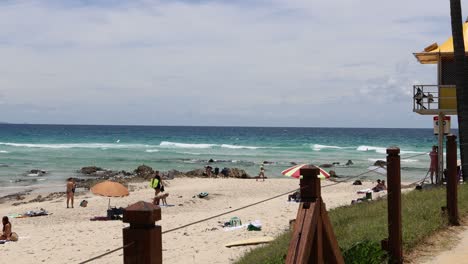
(305, 63)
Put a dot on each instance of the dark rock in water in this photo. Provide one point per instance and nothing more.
(268, 162)
(336, 163)
(211, 160)
(231, 173)
(36, 171)
(144, 171)
(380, 163)
(326, 165)
(350, 162)
(332, 174)
(293, 163)
(90, 170)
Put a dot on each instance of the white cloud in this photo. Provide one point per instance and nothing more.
(213, 62)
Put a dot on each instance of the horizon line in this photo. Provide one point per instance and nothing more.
(217, 126)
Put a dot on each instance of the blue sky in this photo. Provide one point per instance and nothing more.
(255, 63)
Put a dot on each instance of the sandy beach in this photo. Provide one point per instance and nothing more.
(67, 235)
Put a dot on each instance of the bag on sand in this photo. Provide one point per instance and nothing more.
(84, 203)
(14, 236)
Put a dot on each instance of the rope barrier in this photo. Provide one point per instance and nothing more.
(241, 208)
(107, 253)
(228, 212)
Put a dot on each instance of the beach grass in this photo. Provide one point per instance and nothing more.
(366, 223)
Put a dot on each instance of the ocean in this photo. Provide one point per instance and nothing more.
(62, 150)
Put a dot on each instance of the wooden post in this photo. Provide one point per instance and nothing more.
(313, 240)
(440, 152)
(142, 236)
(452, 180)
(394, 205)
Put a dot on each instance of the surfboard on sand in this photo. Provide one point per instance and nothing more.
(250, 241)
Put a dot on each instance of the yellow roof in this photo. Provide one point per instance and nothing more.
(431, 54)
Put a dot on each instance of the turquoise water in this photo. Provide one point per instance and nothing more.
(63, 149)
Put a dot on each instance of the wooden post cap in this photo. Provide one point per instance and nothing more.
(142, 213)
(451, 137)
(393, 151)
(309, 171)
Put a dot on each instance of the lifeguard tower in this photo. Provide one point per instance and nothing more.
(439, 99)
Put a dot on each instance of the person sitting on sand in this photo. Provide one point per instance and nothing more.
(71, 186)
(380, 186)
(7, 234)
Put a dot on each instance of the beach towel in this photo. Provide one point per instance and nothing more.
(40, 212)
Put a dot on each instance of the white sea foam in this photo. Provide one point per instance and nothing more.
(402, 152)
(238, 146)
(152, 150)
(74, 145)
(168, 144)
(381, 150)
(189, 153)
(374, 160)
(4, 151)
(409, 160)
(319, 147)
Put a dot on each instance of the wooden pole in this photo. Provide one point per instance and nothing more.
(452, 180)
(394, 205)
(440, 152)
(313, 240)
(142, 238)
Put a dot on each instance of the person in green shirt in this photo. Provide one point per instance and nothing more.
(156, 183)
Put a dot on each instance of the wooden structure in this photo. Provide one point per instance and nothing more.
(439, 99)
(142, 239)
(313, 240)
(394, 242)
(452, 180)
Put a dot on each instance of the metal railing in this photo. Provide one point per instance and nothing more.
(434, 97)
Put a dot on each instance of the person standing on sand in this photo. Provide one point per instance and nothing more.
(261, 174)
(434, 166)
(71, 186)
(156, 183)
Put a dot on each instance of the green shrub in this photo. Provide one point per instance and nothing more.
(365, 252)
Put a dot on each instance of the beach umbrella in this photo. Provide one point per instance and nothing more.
(110, 189)
(296, 170)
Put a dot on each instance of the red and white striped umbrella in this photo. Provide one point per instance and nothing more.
(296, 170)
